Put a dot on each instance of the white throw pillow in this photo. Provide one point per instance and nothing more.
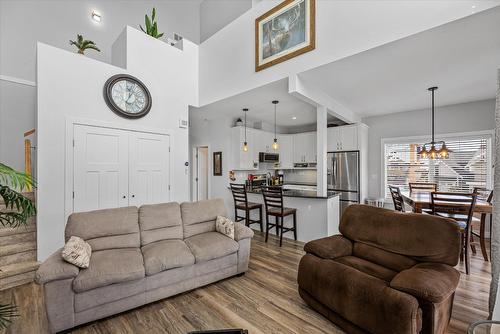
(77, 252)
(225, 226)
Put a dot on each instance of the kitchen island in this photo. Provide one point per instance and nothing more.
(317, 216)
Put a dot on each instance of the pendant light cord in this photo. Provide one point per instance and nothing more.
(432, 115)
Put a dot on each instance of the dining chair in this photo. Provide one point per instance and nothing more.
(422, 187)
(485, 195)
(273, 200)
(459, 207)
(241, 203)
(397, 198)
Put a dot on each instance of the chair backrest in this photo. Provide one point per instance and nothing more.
(422, 187)
(484, 194)
(199, 217)
(454, 203)
(391, 235)
(273, 198)
(239, 194)
(160, 222)
(399, 204)
(106, 229)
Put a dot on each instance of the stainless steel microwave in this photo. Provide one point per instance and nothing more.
(269, 157)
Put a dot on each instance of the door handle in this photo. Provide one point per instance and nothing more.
(133, 196)
(124, 196)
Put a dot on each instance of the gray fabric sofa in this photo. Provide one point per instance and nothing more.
(140, 256)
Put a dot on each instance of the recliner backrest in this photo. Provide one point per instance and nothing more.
(160, 222)
(106, 229)
(199, 217)
(420, 237)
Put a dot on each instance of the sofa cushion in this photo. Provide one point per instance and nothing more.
(396, 262)
(166, 254)
(329, 247)
(199, 217)
(403, 233)
(106, 229)
(368, 267)
(110, 266)
(211, 245)
(160, 222)
(360, 298)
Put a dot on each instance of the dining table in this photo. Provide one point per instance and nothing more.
(422, 200)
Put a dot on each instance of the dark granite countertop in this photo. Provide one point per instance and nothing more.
(300, 193)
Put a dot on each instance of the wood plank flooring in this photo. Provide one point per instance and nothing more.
(265, 300)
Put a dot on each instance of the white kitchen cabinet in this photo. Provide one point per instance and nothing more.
(286, 150)
(241, 159)
(345, 138)
(305, 147)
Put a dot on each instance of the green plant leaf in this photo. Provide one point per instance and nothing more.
(93, 47)
(7, 312)
(153, 15)
(79, 39)
(159, 35)
(142, 28)
(148, 25)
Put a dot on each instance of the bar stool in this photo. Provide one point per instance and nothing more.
(273, 199)
(241, 203)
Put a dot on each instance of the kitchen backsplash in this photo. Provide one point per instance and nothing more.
(300, 176)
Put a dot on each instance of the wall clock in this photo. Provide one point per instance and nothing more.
(127, 96)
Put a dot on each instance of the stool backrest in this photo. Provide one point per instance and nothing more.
(239, 194)
(399, 204)
(273, 198)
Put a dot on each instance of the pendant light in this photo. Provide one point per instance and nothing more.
(430, 150)
(245, 144)
(275, 143)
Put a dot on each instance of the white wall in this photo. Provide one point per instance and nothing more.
(343, 28)
(215, 14)
(466, 117)
(55, 22)
(70, 86)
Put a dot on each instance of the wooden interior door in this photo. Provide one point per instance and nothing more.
(100, 175)
(149, 178)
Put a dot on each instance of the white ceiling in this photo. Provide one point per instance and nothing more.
(258, 101)
(461, 57)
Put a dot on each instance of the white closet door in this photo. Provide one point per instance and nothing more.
(100, 158)
(149, 168)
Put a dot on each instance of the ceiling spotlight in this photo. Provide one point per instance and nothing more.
(294, 117)
(473, 6)
(96, 16)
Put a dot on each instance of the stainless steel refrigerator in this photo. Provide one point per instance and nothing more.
(343, 177)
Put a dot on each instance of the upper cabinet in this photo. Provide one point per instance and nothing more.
(345, 138)
(285, 150)
(305, 147)
(241, 159)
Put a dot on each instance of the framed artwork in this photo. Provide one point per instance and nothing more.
(217, 163)
(284, 32)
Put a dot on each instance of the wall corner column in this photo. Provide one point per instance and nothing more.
(321, 147)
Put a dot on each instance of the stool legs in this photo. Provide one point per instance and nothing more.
(295, 226)
(281, 231)
(260, 219)
(267, 227)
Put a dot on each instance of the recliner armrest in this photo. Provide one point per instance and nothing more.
(242, 232)
(433, 282)
(55, 268)
(330, 247)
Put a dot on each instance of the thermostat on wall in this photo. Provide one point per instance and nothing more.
(183, 124)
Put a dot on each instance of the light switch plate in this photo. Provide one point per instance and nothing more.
(183, 124)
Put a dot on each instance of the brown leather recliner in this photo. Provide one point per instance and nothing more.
(388, 272)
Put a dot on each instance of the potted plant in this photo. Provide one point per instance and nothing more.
(151, 25)
(83, 44)
(18, 209)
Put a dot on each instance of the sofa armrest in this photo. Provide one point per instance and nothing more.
(330, 247)
(433, 282)
(55, 268)
(242, 232)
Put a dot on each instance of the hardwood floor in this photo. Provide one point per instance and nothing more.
(265, 300)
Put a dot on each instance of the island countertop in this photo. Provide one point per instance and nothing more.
(299, 193)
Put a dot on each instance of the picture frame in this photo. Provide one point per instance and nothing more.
(217, 163)
(284, 32)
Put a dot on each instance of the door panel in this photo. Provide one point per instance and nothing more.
(349, 138)
(149, 168)
(100, 159)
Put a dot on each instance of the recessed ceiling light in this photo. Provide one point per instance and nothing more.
(473, 6)
(96, 16)
(294, 117)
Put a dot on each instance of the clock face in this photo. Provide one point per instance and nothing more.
(127, 96)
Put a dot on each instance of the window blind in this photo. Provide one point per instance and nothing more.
(467, 167)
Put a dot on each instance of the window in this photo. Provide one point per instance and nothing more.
(469, 164)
